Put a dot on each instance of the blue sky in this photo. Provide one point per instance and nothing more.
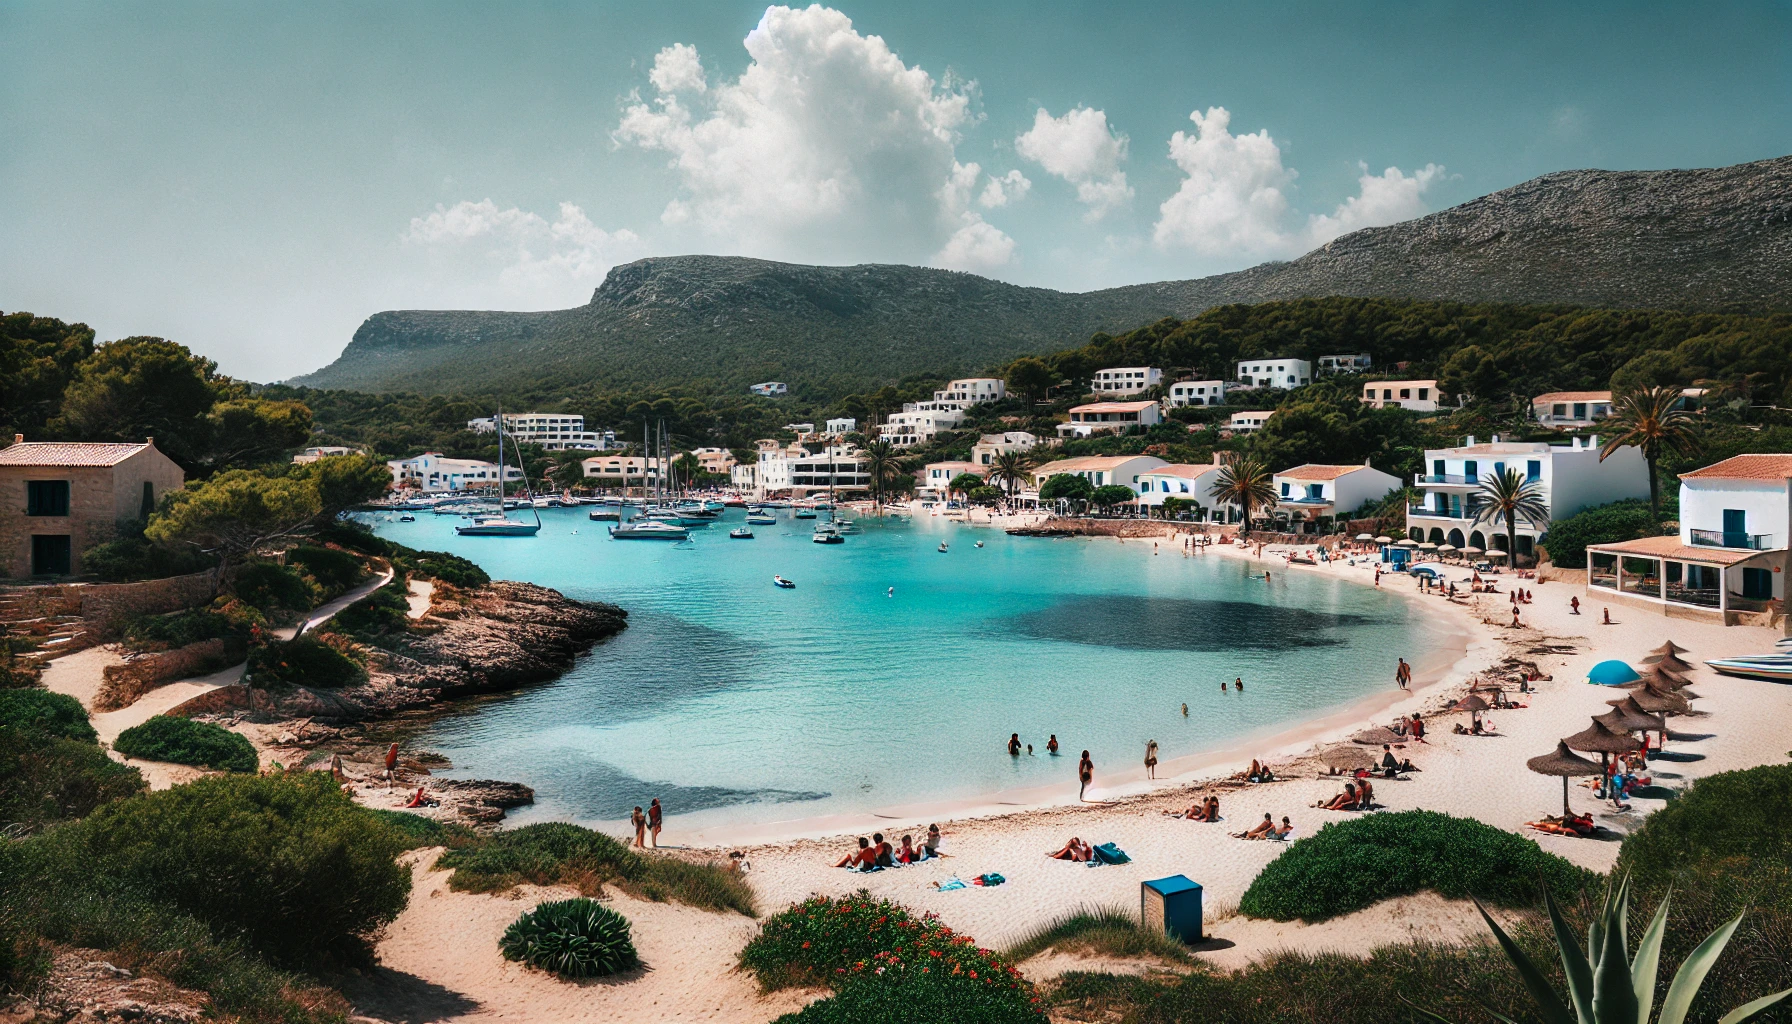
(254, 180)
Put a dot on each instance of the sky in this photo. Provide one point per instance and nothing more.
(254, 180)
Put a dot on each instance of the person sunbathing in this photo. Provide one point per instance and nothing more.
(1365, 795)
(1345, 801)
(908, 854)
(1250, 774)
(1283, 832)
(864, 860)
(1075, 850)
(419, 800)
(1261, 829)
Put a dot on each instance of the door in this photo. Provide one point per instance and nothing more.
(50, 554)
(1735, 528)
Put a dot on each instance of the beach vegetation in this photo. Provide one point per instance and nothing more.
(270, 587)
(333, 570)
(377, 618)
(41, 711)
(1651, 420)
(1726, 817)
(1349, 865)
(1603, 524)
(860, 944)
(1506, 498)
(576, 938)
(419, 831)
(184, 741)
(224, 617)
(437, 565)
(1066, 487)
(559, 853)
(49, 778)
(309, 660)
(1106, 931)
(1244, 481)
(130, 557)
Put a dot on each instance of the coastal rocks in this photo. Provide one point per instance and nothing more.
(482, 801)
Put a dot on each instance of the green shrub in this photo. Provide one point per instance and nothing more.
(577, 938)
(451, 569)
(1109, 931)
(440, 565)
(53, 714)
(1348, 865)
(1603, 524)
(128, 559)
(334, 571)
(178, 629)
(306, 661)
(419, 831)
(912, 997)
(1730, 814)
(184, 741)
(286, 863)
(376, 617)
(270, 587)
(49, 778)
(558, 853)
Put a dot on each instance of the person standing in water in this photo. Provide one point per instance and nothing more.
(892, 592)
(1403, 674)
(1014, 744)
(1085, 773)
(1185, 709)
(1238, 684)
(1051, 745)
(1151, 759)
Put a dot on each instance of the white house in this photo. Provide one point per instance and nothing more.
(1274, 373)
(431, 472)
(324, 451)
(842, 425)
(622, 470)
(1101, 470)
(1354, 362)
(1569, 478)
(1249, 421)
(1187, 482)
(937, 476)
(913, 426)
(554, 431)
(797, 472)
(770, 389)
(1125, 380)
(714, 460)
(1110, 418)
(1413, 395)
(1315, 490)
(1571, 408)
(1197, 392)
(968, 391)
(1729, 559)
(988, 446)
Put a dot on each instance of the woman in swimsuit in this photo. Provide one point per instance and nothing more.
(639, 820)
(1085, 772)
(1051, 745)
(1151, 759)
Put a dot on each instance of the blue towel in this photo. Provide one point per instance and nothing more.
(1108, 853)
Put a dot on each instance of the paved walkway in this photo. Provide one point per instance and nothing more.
(422, 591)
(324, 612)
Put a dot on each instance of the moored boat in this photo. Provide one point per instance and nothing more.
(649, 529)
(1772, 667)
(826, 533)
(740, 533)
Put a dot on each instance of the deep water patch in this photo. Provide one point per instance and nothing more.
(1183, 624)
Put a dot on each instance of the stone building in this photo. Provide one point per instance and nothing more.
(59, 498)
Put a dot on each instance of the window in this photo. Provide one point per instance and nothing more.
(1285, 490)
(1757, 584)
(1424, 394)
(1472, 470)
(46, 498)
(50, 555)
(1558, 409)
(1735, 528)
(1387, 393)
(1405, 393)
(1437, 467)
(1580, 410)
(1533, 470)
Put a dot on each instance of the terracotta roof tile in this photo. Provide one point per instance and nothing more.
(1670, 547)
(1318, 472)
(67, 454)
(1573, 396)
(1745, 467)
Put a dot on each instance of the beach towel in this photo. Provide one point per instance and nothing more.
(952, 883)
(990, 878)
(1108, 853)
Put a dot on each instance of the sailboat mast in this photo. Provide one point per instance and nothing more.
(499, 421)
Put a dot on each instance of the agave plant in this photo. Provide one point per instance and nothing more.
(576, 938)
(1605, 985)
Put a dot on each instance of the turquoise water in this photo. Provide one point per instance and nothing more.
(727, 696)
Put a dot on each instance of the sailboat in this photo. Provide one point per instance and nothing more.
(656, 521)
(501, 525)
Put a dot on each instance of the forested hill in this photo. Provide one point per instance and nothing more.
(1718, 239)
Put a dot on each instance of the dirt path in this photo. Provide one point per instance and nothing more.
(421, 593)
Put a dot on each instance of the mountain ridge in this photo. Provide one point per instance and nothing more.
(1717, 239)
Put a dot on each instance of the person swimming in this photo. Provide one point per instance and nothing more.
(1051, 745)
(892, 592)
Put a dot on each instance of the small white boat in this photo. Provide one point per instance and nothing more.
(1775, 668)
(761, 519)
(804, 513)
(827, 534)
(942, 547)
(499, 526)
(846, 526)
(782, 582)
(613, 515)
(979, 543)
(649, 529)
(407, 518)
(740, 533)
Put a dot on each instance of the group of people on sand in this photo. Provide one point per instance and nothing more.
(1357, 796)
(1205, 809)
(647, 825)
(1257, 772)
(1268, 829)
(876, 853)
(1015, 745)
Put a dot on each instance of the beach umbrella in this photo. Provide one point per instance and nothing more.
(1407, 542)
(1597, 739)
(1617, 721)
(1384, 540)
(1657, 702)
(1670, 647)
(1364, 536)
(1664, 676)
(1497, 553)
(1670, 661)
(1567, 764)
(1473, 705)
(1446, 547)
(1377, 736)
(1347, 758)
(1612, 673)
(1471, 550)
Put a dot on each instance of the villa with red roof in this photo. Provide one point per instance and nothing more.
(58, 499)
(1314, 490)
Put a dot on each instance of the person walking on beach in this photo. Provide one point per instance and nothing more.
(639, 820)
(1403, 674)
(1014, 744)
(391, 765)
(1574, 606)
(654, 819)
(1151, 759)
(1085, 773)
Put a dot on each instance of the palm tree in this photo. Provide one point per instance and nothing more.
(1651, 420)
(882, 464)
(1246, 482)
(1008, 470)
(1508, 498)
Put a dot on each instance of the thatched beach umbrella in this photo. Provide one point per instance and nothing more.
(1670, 648)
(1377, 736)
(1346, 758)
(1473, 705)
(1565, 763)
(1671, 662)
(1631, 716)
(1666, 676)
(1597, 739)
(1618, 721)
(1656, 702)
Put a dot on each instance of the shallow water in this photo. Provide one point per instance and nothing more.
(727, 694)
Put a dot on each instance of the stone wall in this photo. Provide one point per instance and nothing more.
(122, 685)
(108, 606)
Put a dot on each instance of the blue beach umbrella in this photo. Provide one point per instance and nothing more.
(1612, 673)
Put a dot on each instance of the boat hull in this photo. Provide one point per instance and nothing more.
(499, 530)
(1775, 668)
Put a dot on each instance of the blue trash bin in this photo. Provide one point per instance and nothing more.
(1172, 904)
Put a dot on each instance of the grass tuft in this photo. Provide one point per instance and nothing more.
(1109, 931)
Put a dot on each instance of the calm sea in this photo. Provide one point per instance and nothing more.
(737, 701)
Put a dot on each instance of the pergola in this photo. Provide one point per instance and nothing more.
(1664, 571)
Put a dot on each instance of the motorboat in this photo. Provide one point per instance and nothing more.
(407, 518)
(780, 581)
(761, 519)
(612, 514)
(846, 526)
(942, 547)
(826, 533)
(648, 529)
(804, 512)
(740, 533)
(1775, 668)
(499, 526)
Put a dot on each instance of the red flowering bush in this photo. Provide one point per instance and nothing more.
(842, 943)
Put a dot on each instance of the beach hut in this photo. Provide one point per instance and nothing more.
(1472, 704)
(1172, 906)
(1612, 673)
(1567, 764)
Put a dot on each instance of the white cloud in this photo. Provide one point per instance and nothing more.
(979, 247)
(826, 148)
(1008, 188)
(1081, 149)
(540, 262)
(677, 68)
(1387, 198)
(1234, 199)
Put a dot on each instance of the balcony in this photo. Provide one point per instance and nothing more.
(1726, 539)
(1421, 479)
